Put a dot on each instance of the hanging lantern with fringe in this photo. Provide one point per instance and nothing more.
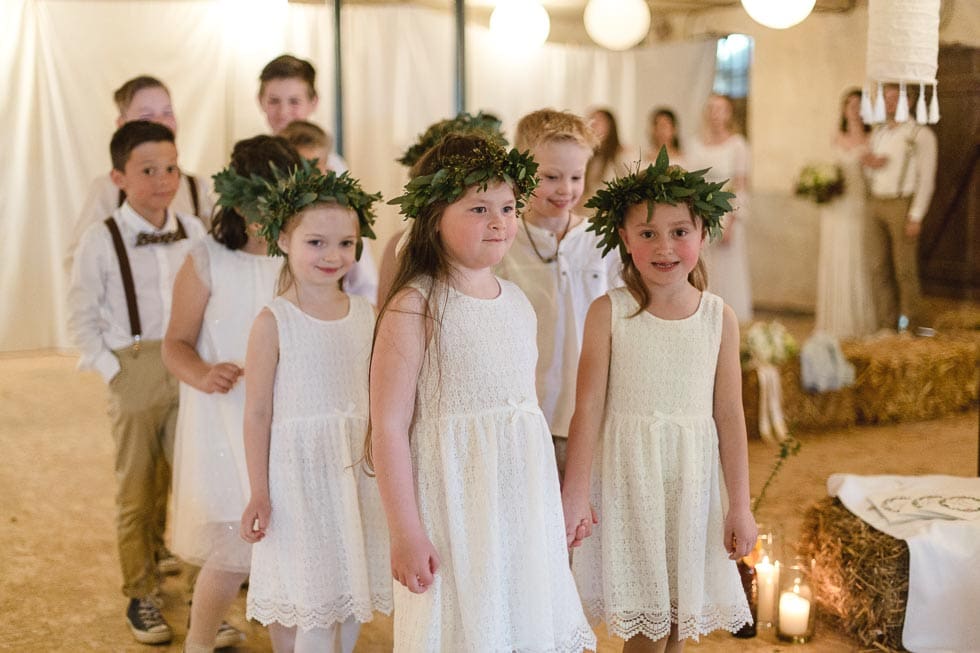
(903, 49)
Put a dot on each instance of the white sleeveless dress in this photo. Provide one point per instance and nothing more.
(845, 305)
(487, 489)
(325, 556)
(210, 479)
(657, 556)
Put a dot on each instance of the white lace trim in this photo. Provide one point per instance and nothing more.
(656, 625)
(323, 616)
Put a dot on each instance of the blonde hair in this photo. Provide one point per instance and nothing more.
(302, 134)
(550, 126)
(123, 96)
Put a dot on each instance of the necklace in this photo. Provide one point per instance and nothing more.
(549, 259)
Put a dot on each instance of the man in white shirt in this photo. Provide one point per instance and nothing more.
(119, 305)
(901, 172)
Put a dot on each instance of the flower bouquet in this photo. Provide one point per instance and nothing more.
(765, 346)
(820, 182)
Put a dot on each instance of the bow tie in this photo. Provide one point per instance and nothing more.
(160, 238)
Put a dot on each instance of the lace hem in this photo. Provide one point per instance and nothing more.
(582, 639)
(289, 615)
(656, 625)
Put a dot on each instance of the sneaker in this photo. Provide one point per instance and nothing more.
(168, 563)
(228, 635)
(146, 622)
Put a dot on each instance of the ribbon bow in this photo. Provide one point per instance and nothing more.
(159, 238)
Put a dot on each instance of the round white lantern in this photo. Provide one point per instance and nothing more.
(778, 14)
(521, 22)
(617, 24)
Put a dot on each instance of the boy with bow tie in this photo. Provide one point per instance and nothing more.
(119, 304)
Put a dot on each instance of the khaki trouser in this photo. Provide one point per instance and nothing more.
(893, 260)
(143, 410)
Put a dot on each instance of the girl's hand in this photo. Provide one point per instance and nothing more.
(414, 561)
(220, 378)
(255, 519)
(579, 519)
(741, 533)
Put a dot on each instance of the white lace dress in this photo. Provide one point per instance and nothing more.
(845, 306)
(487, 490)
(210, 479)
(325, 556)
(657, 556)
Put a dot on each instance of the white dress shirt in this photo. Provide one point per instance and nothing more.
(103, 199)
(896, 143)
(561, 293)
(98, 317)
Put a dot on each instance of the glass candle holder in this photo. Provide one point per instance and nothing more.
(795, 607)
(767, 576)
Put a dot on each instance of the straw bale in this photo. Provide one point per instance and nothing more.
(804, 411)
(860, 577)
(901, 378)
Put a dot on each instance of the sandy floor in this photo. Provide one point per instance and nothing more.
(59, 580)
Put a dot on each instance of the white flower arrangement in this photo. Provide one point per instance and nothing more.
(820, 182)
(768, 343)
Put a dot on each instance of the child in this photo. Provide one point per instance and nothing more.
(225, 281)
(463, 453)
(310, 141)
(658, 405)
(554, 259)
(287, 92)
(141, 98)
(320, 554)
(118, 303)
(463, 122)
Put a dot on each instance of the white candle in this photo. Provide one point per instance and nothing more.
(765, 574)
(794, 614)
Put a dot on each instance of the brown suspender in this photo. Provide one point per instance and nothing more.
(191, 186)
(127, 278)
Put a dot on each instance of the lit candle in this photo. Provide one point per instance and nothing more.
(765, 574)
(794, 614)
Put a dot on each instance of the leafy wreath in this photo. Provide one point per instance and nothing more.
(463, 122)
(270, 203)
(659, 183)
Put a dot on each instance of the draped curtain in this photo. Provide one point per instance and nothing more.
(60, 61)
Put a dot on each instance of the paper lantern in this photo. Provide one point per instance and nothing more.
(524, 23)
(778, 14)
(903, 49)
(617, 24)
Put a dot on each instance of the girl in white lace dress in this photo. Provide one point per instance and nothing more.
(659, 410)
(462, 451)
(222, 286)
(319, 557)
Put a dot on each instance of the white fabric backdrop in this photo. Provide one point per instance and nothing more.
(60, 60)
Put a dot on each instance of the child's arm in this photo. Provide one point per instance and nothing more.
(86, 297)
(740, 528)
(398, 351)
(260, 361)
(590, 402)
(180, 342)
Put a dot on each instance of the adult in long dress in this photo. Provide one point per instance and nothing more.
(845, 305)
(727, 154)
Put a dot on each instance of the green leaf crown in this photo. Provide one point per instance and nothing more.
(462, 123)
(270, 203)
(486, 162)
(659, 183)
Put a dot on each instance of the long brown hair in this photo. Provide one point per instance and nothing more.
(424, 258)
(698, 277)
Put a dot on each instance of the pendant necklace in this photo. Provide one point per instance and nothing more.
(549, 259)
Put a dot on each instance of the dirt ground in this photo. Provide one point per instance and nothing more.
(59, 579)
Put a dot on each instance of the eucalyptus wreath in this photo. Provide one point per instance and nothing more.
(463, 122)
(486, 162)
(659, 183)
(270, 203)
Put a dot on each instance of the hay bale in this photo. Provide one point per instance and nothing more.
(901, 378)
(964, 318)
(861, 575)
(804, 411)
